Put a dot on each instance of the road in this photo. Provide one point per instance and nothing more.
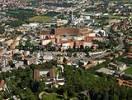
(81, 55)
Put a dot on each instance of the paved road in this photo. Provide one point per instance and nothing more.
(81, 55)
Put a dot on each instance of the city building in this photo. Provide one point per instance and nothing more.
(36, 74)
(74, 37)
(119, 66)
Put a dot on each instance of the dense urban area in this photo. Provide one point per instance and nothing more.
(65, 49)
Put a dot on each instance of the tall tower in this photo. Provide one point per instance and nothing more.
(71, 15)
(36, 74)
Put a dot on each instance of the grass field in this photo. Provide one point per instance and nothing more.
(40, 19)
(51, 96)
(129, 70)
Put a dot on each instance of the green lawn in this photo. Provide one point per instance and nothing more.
(51, 96)
(129, 70)
(40, 19)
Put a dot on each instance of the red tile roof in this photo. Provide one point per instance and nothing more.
(71, 31)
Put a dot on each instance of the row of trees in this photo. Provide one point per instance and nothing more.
(83, 84)
(20, 82)
(79, 83)
(21, 14)
(27, 45)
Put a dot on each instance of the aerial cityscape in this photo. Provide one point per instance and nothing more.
(65, 49)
